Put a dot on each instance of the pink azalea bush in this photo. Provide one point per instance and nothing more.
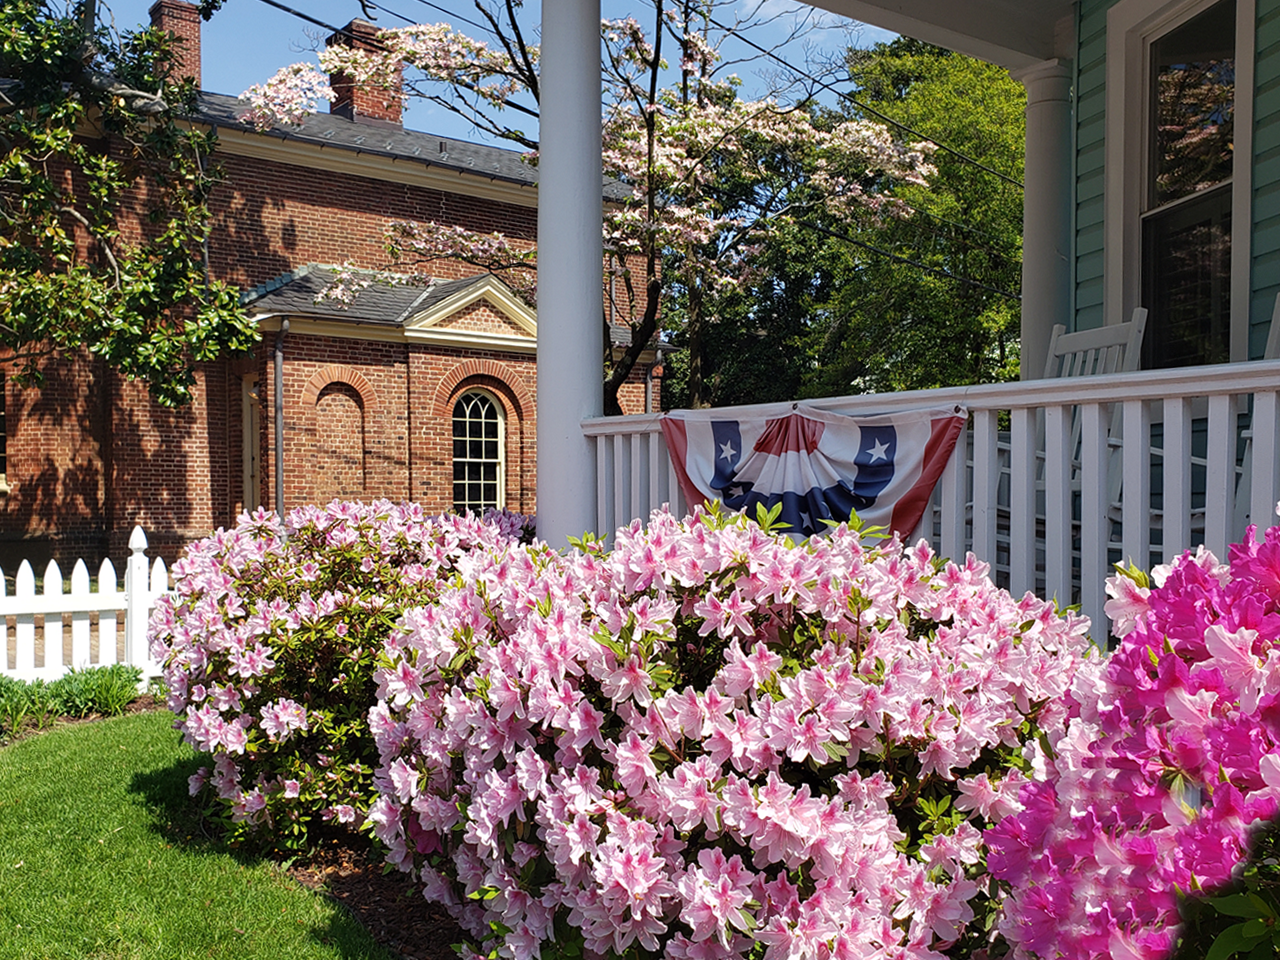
(710, 742)
(1167, 768)
(268, 647)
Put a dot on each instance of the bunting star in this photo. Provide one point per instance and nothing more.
(879, 452)
(727, 451)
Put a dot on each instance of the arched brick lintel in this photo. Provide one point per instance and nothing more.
(340, 373)
(484, 372)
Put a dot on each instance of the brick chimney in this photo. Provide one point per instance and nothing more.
(356, 102)
(181, 20)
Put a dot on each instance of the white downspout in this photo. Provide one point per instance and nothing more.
(570, 268)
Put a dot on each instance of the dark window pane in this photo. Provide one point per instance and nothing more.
(491, 472)
(491, 449)
(1188, 282)
(490, 494)
(491, 428)
(459, 470)
(459, 448)
(1193, 90)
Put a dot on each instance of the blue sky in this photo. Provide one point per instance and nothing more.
(247, 41)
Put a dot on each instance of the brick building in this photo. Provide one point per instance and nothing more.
(396, 395)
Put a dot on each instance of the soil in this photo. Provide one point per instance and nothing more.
(390, 905)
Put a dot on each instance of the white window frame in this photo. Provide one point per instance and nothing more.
(1132, 26)
(502, 440)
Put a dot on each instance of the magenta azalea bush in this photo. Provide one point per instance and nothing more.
(710, 743)
(269, 643)
(1168, 768)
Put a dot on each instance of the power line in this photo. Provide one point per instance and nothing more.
(448, 13)
(836, 235)
(871, 110)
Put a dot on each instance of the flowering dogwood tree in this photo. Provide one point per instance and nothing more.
(674, 129)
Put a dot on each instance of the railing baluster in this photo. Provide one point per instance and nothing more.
(1220, 475)
(655, 473)
(1057, 503)
(1022, 502)
(952, 484)
(603, 487)
(621, 480)
(986, 476)
(1093, 517)
(1136, 492)
(1262, 501)
(1176, 516)
(638, 494)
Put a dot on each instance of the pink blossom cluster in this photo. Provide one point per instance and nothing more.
(711, 738)
(268, 647)
(1170, 762)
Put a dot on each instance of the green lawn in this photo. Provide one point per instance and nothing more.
(100, 857)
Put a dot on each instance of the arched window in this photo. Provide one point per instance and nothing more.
(479, 456)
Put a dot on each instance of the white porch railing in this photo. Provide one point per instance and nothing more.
(40, 651)
(1056, 479)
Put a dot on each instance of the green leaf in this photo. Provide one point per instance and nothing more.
(1236, 905)
(1230, 942)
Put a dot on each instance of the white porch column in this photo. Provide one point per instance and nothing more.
(570, 271)
(1046, 210)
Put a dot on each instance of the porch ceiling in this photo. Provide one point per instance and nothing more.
(1012, 33)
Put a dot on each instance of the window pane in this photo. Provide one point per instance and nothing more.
(477, 453)
(1188, 282)
(1193, 88)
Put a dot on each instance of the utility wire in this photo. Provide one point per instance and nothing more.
(871, 110)
(446, 12)
(836, 235)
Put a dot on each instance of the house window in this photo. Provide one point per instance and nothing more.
(1186, 223)
(478, 453)
(1177, 193)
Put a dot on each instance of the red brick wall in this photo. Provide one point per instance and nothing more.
(90, 454)
(182, 20)
(270, 218)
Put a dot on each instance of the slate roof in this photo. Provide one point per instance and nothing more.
(380, 304)
(329, 130)
(385, 304)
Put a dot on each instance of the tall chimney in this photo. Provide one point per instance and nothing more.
(353, 101)
(182, 20)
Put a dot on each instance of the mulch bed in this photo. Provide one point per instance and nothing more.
(390, 905)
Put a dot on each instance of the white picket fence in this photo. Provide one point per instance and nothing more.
(44, 635)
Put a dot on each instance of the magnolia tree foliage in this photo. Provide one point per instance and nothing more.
(673, 129)
(103, 203)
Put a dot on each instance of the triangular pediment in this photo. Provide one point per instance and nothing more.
(483, 307)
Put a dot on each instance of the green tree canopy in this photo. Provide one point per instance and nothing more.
(920, 291)
(103, 203)
(930, 299)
